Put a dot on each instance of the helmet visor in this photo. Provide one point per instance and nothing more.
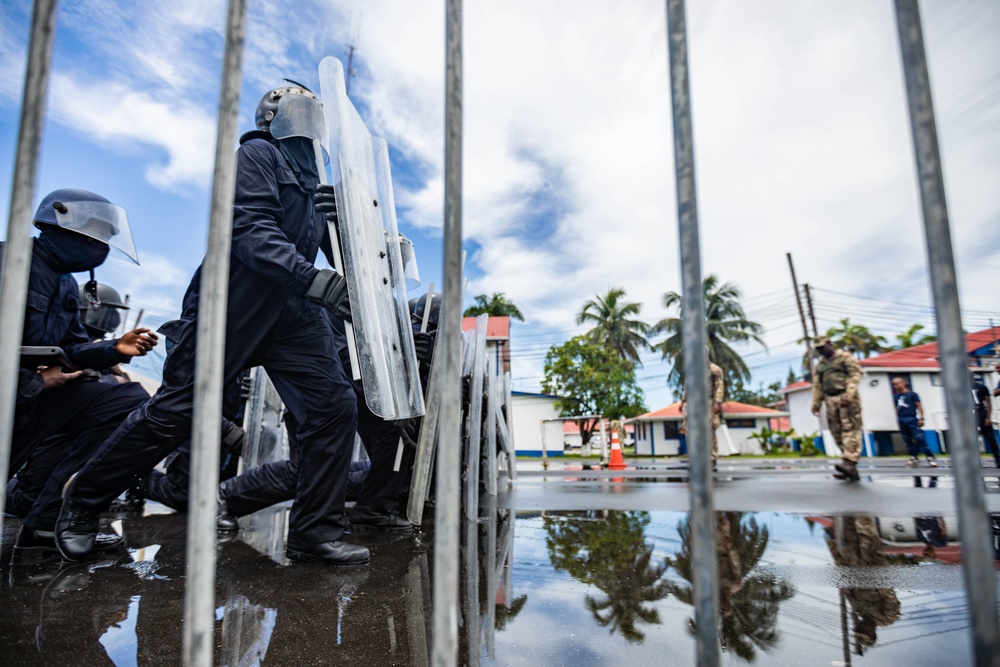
(103, 318)
(99, 220)
(299, 116)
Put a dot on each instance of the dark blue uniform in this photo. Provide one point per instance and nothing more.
(909, 425)
(276, 238)
(60, 427)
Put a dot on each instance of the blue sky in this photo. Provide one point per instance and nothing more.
(801, 141)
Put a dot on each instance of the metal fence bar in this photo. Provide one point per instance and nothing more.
(199, 594)
(17, 249)
(693, 337)
(448, 510)
(977, 551)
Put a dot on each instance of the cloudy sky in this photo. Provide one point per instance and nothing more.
(801, 145)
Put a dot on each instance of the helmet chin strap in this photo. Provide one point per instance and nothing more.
(90, 291)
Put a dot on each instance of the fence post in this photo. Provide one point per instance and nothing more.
(693, 338)
(977, 550)
(17, 249)
(199, 594)
(446, 516)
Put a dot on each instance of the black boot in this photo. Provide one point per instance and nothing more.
(35, 544)
(76, 527)
(385, 521)
(337, 553)
(847, 470)
(225, 521)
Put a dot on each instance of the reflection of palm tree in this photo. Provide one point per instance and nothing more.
(748, 600)
(608, 550)
(505, 614)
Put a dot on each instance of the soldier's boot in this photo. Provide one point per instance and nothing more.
(847, 470)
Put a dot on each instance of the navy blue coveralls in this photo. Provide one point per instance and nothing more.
(909, 425)
(276, 237)
(57, 429)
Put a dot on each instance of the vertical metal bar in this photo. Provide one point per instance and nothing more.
(977, 555)
(199, 594)
(446, 517)
(17, 249)
(693, 338)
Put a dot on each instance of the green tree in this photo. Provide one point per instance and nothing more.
(763, 396)
(748, 600)
(912, 337)
(505, 614)
(608, 550)
(615, 324)
(591, 379)
(495, 305)
(856, 339)
(726, 323)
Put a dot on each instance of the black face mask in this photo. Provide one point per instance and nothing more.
(301, 157)
(69, 252)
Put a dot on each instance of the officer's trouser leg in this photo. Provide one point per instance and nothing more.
(845, 425)
(171, 488)
(304, 367)
(716, 423)
(267, 484)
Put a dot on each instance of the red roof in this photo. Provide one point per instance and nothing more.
(729, 409)
(925, 356)
(795, 386)
(498, 328)
(573, 427)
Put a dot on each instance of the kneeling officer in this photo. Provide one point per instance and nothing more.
(61, 417)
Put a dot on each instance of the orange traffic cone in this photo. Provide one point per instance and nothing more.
(617, 460)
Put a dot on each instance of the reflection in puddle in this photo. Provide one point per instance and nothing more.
(589, 587)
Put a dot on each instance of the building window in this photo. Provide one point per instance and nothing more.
(740, 423)
(936, 380)
(670, 431)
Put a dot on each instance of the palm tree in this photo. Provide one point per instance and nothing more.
(856, 339)
(912, 337)
(495, 305)
(615, 325)
(748, 600)
(725, 322)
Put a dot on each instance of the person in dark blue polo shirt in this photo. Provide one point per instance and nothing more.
(910, 414)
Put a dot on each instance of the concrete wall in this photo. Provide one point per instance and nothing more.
(528, 414)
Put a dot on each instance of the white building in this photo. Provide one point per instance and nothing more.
(920, 367)
(531, 413)
(658, 433)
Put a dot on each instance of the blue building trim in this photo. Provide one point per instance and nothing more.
(537, 453)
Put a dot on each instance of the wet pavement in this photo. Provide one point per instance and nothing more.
(555, 585)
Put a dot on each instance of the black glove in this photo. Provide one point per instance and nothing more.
(329, 289)
(423, 343)
(325, 202)
(410, 432)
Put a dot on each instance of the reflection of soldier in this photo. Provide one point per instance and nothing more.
(836, 386)
(716, 392)
(857, 544)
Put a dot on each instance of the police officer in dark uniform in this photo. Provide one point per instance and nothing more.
(62, 415)
(274, 320)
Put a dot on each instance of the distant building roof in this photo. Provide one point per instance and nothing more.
(730, 409)
(795, 386)
(498, 328)
(925, 357)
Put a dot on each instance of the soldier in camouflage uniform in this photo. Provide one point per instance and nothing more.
(836, 386)
(716, 392)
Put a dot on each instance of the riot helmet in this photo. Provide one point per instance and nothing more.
(99, 310)
(291, 111)
(418, 305)
(89, 214)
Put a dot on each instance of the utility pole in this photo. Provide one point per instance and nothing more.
(809, 307)
(351, 48)
(802, 315)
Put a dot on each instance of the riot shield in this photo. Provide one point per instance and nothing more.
(478, 371)
(264, 423)
(491, 424)
(508, 402)
(372, 261)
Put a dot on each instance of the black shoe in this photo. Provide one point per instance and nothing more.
(76, 527)
(133, 501)
(715, 466)
(330, 553)
(35, 544)
(225, 521)
(368, 519)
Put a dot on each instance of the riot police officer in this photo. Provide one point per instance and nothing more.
(274, 320)
(60, 416)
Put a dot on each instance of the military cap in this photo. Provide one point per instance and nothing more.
(820, 341)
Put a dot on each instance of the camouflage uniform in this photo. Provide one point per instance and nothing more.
(716, 392)
(836, 379)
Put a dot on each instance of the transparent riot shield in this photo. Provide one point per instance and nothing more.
(372, 260)
(264, 423)
(491, 423)
(478, 372)
(508, 403)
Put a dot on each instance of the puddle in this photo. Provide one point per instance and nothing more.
(591, 587)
